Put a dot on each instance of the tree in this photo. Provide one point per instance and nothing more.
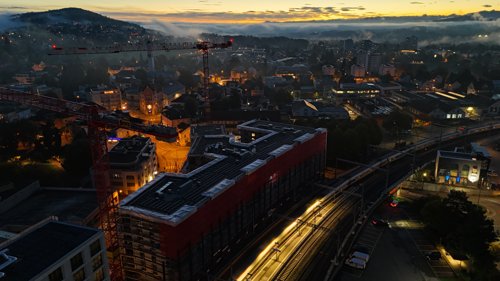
(397, 122)
(386, 78)
(191, 106)
(97, 73)
(186, 78)
(77, 160)
(463, 228)
(234, 100)
(142, 75)
(280, 97)
(72, 76)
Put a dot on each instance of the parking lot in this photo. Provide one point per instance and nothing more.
(397, 251)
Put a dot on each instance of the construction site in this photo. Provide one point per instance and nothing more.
(181, 226)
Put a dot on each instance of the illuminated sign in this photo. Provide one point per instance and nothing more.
(473, 174)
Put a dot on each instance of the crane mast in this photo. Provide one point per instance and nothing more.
(98, 122)
(149, 47)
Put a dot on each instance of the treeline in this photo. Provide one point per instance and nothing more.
(348, 139)
(463, 229)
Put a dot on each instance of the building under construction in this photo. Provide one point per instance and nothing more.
(181, 226)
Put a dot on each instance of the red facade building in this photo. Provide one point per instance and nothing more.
(180, 226)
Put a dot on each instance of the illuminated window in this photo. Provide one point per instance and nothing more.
(465, 171)
(448, 116)
(453, 116)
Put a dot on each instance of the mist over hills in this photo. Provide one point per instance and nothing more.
(78, 23)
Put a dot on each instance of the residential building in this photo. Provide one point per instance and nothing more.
(358, 70)
(328, 70)
(133, 163)
(151, 102)
(55, 251)
(494, 109)
(385, 69)
(373, 62)
(410, 43)
(174, 115)
(109, 98)
(458, 168)
(180, 226)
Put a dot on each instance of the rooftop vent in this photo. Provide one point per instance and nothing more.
(5, 260)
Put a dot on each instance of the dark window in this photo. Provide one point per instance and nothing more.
(130, 178)
(56, 275)
(76, 261)
(96, 262)
(130, 184)
(95, 248)
(79, 275)
(116, 183)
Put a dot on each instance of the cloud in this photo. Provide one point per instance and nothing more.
(348, 9)
(417, 3)
(173, 29)
(487, 6)
(303, 13)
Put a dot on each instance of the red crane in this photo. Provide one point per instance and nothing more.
(98, 121)
(149, 47)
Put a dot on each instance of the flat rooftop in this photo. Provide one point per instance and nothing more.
(73, 206)
(174, 197)
(455, 155)
(129, 150)
(42, 247)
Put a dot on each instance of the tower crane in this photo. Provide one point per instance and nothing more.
(149, 47)
(98, 121)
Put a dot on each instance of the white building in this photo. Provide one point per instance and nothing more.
(55, 251)
(109, 98)
(133, 163)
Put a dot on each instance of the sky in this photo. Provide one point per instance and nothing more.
(253, 11)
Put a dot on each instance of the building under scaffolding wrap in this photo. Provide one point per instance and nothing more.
(181, 226)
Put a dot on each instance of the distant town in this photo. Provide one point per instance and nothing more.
(131, 154)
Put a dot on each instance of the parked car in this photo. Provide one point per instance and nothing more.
(362, 256)
(355, 263)
(379, 222)
(433, 256)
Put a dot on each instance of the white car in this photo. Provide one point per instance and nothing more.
(359, 255)
(356, 263)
